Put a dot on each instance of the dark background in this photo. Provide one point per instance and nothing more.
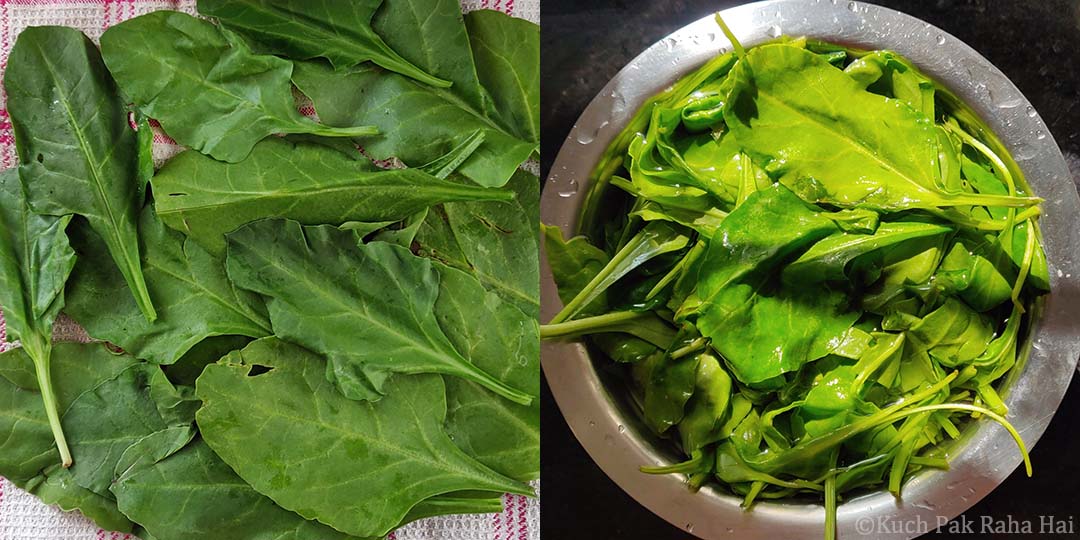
(585, 42)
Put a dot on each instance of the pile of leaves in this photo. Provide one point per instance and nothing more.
(293, 341)
(814, 263)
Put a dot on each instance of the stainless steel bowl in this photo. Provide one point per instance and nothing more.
(607, 426)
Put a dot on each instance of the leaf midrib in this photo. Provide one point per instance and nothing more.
(331, 299)
(858, 146)
(95, 173)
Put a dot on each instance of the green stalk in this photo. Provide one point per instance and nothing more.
(357, 131)
(830, 504)
(40, 351)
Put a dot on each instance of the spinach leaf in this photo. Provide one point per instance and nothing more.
(431, 34)
(797, 114)
(205, 198)
(503, 341)
(416, 123)
(388, 455)
(35, 261)
(78, 154)
(574, 263)
(302, 29)
(367, 308)
(507, 54)
(829, 258)
(655, 239)
(194, 494)
(208, 90)
(707, 409)
(195, 298)
(56, 486)
(485, 238)
(124, 411)
(761, 329)
(28, 456)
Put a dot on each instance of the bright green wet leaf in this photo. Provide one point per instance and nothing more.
(416, 123)
(655, 239)
(78, 153)
(207, 88)
(195, 298)
(668, 384)
(507, 53)
(367, 308)
(764, 330)
(313, 184)
(953, 333)
(805, 121)
(485, 238)
(707, 409)
(503, 341)
(981, 285)
(574, 263)
(377, 459)
(828, 259)
(194, 494)
(338, 31)
(35, 261)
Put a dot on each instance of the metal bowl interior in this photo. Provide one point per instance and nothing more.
(607, 426)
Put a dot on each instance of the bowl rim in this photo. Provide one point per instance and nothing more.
(612, 435)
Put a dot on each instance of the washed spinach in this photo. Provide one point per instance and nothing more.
(862, 262)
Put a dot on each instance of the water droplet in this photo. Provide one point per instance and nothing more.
(689, 527)
(569, 191)
(1024, 152)
(618, 103)
(1031, 112)
(588, 136)
(774, 31)
(592, 423)
(1040, 135)
(670, 43)
(622, 428)
(731, 530)
(853, 7)
(940, 39)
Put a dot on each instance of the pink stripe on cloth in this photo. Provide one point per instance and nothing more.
(522, 519)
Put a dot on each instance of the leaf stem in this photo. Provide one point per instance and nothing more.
(40, 351)
(323, 130)
(739, 50)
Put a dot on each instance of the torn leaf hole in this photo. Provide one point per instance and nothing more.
(257, 370)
